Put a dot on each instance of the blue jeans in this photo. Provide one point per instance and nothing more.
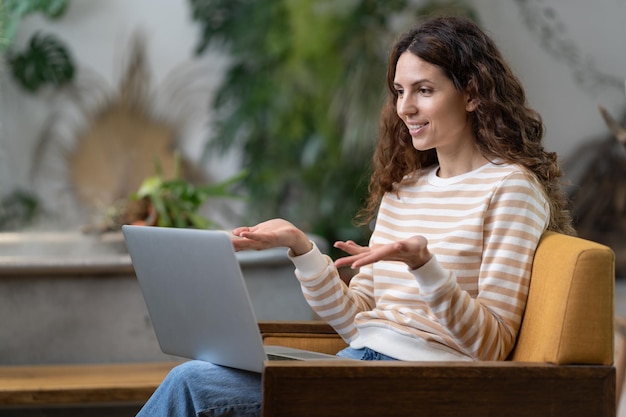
(202, 389)
(365, 354)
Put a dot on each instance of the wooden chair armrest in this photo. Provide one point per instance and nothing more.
(352, 388)
(299, 327)
(315, 336)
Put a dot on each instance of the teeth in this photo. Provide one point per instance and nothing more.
(413, 127)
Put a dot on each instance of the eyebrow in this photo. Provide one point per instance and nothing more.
(423, 80)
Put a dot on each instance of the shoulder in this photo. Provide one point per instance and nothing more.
(518, 197)
(504, 170)
(519, 187)
(509, 182)
(511, 175)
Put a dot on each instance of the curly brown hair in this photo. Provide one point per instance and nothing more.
(504, 126)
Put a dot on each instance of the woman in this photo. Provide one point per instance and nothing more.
(462, 191)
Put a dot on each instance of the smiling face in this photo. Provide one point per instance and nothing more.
(433, 110)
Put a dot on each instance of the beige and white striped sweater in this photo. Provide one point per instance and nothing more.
(467, 302)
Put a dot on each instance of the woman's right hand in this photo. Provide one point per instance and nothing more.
(270, 234)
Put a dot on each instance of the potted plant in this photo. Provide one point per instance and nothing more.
(176, 202)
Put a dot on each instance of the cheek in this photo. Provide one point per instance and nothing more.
(453, 112)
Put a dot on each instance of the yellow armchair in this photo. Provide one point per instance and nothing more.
(561, 365)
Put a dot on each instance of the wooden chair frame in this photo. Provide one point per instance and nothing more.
(354, 388)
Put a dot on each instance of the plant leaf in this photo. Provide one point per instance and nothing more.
(148, 187)
(46, 62)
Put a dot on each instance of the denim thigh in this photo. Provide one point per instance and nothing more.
(364, 354)
(202, 389)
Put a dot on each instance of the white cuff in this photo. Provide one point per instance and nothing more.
(309, 264)
(431, 276)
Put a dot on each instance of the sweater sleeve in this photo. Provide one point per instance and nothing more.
(329, 296)
(486, 327)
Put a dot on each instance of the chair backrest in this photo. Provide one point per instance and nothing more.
(569, 314)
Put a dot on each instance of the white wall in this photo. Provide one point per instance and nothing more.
(569, 111)
(97, 33)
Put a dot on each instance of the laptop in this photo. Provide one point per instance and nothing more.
(197, 299)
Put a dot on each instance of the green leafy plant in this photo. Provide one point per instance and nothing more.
(46, 60)
(176, 202)
(13, 11)
(302, 98)
(18, 209)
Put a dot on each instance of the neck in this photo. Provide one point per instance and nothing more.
(453, 165)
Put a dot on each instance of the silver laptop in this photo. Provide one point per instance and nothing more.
(197, 298)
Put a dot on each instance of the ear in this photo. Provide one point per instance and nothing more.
(471, 103)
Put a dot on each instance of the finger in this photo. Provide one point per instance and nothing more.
(243, 244)
(382, 253)
(350, 247)
(342, 246)
(249, 244)
(341, 262)
(250, 233)
(237, 231)
(353, 261)
(244, 229)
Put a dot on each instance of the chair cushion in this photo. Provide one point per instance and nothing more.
(569, 313)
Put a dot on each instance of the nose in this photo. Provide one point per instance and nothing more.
(405, 106)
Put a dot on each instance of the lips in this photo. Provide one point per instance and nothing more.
(416, 128)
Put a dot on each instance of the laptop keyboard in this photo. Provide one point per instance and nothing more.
(273, 357)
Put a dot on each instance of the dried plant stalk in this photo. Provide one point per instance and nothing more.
(599, 202)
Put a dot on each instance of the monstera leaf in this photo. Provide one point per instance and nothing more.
(13, 11)
(45, 62)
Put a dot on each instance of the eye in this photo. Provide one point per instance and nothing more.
(399, 92)
(425, 91)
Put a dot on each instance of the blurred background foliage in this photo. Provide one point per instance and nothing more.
(46, 61)
(13, 11)
(301, 99)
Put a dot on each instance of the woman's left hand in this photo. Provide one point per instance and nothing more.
(413, 252)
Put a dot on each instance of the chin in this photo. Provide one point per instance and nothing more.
(419, 145)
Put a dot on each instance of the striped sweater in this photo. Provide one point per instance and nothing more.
(467, 302)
